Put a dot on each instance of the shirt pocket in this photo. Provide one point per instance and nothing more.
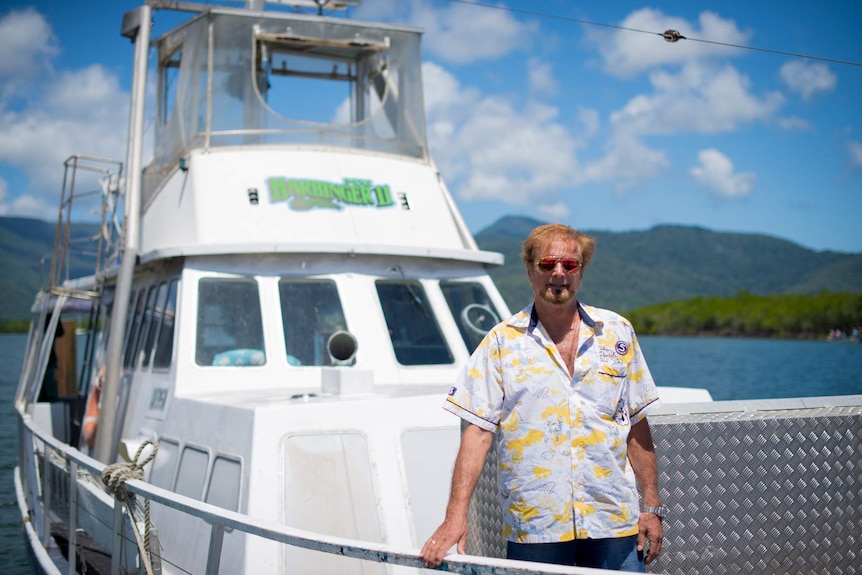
(605, 387)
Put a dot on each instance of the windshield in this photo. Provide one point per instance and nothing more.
(472, 309)
(416, 337)
(311, 313)
(229, 326)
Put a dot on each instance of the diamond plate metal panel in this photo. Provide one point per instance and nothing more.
(750, 491)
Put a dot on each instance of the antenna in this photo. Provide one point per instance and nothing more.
(319, 4)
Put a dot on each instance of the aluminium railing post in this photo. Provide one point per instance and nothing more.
(214, 555)
(116, 551)
(73, 517)
(46, 497)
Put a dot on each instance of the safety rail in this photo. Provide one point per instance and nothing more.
(102, 246)
(221, 520)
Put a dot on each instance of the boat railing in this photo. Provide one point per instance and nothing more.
(70, 253)
(77, 465)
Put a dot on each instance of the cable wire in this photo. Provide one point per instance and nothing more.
(662, 34)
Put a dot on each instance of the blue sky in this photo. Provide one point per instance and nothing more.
(530, 111)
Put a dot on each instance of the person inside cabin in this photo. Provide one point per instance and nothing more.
(563, 391)
(50, 385)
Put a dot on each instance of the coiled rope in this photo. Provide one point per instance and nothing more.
(114, 477)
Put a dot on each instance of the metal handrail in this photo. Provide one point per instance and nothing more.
(222, 519)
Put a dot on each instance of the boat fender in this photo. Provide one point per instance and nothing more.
(94, 406)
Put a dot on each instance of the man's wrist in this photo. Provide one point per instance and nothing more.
(660, 511)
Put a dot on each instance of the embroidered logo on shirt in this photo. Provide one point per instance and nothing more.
(621, 347)
(622, 414)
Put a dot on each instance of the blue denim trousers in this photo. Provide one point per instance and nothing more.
(619, 554)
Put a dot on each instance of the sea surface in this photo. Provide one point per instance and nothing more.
(728, 368)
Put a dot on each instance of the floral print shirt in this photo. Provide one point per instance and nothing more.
(563, 472)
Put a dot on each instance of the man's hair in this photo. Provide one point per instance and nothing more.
(547, 233)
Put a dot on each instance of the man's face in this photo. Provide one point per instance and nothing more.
(549, 279)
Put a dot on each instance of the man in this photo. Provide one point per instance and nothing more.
(564, 391)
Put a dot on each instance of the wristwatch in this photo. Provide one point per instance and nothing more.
(659, 511)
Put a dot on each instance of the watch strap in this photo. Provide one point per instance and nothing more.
(659, 511)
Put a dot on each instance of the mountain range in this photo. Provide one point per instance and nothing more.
(629, 269)
(671, 262)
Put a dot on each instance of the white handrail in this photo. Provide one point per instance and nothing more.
(222, 519)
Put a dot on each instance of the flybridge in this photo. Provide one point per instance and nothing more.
(258, 111)
(319, 5)
(232, 78)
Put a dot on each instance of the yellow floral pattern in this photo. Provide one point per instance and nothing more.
(560, 439)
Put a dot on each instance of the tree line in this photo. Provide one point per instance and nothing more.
(744, 315)
(747, 315)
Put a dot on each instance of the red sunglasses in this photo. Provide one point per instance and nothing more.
(548, 264)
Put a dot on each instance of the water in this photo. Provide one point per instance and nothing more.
(728, 368)
(13, 554)
(755, 368)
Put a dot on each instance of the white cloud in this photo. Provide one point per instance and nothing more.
(83, 112)
(590, 122)
(45, 116)
(28, 206)
(460, 33)
(552, 212)
(715, 172)
(26, 44)
(628, 53)
(487, 148)
(699, 98)
(855, 149)
(24, 206)
(795, 124)
(808, 78)
(627, 161)
(541, 78)
(443, 93)
(456, 33)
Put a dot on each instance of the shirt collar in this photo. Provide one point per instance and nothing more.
(527, 319)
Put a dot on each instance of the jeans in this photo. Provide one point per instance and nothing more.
(619, 554)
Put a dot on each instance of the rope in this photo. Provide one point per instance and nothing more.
(114, 477)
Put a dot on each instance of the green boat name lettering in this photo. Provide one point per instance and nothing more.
(308, 194)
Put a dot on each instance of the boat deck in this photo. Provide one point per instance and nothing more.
(767, 486)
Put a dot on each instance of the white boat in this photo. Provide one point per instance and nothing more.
(281, 314)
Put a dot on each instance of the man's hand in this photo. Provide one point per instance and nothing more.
(448, 534)
(650, 536)
(475, 443)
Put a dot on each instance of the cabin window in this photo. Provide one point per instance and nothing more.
(165, 464)
(429, 456)
(413, 329)
(330, 472)
(156, 313)
(472, 309)
(146, 325)
(310, 312)
(192, 472)
(136, 314)
(165, 337)
(224, 483)
(229, 330)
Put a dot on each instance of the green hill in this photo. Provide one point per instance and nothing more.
(25, 258)
(629, 270)
(668, 263)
